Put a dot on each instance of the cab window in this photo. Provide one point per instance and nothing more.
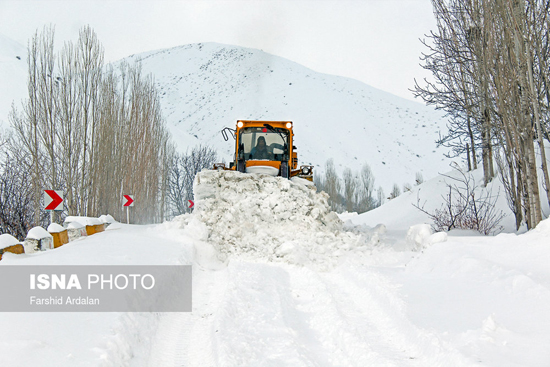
(275, 142)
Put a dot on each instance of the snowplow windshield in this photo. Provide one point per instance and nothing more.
(263, 143)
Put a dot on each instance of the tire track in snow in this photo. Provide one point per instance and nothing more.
(351, 338)
(189, 339)
(369, 301)
(258, 321)
(273, 314)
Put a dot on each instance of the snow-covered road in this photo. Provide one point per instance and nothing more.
(262, 314)
(285, 290)
(446, 306)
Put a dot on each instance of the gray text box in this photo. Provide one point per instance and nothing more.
(95, 288)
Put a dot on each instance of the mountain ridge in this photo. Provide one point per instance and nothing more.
(207, 86)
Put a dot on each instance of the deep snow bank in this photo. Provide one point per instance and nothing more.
(271, 218)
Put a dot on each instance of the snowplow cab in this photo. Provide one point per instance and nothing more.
(266, 147)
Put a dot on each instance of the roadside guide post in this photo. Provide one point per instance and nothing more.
(127, 201)
(53, 201)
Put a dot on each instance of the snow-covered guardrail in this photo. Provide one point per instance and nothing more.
(107, 220)
(60, 235)
(39, 239)
(93, 225)
(76, 230)
(8, 243)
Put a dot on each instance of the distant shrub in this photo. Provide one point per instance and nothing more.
(464, 209)
(395, 192)
(419, 179)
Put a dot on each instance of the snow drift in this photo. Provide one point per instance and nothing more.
(257, 216)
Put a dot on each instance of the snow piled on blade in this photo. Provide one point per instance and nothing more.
(256, 216)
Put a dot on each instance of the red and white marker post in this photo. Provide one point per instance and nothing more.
(127, 201)
(53, 201)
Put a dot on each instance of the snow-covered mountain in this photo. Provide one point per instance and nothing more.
(277, 279)
(208, 86)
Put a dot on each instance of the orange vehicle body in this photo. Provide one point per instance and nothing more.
(277, 149)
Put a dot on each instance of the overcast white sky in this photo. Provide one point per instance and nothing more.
(375, 41)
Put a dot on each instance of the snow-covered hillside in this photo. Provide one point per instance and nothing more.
(13, 72)
(400, 213)
(206, 87)
(431, 195)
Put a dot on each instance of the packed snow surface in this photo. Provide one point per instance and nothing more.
(75, 225)
(38, 233)
(55, 228)
(7, 240)
(272, 218)
(87, 221)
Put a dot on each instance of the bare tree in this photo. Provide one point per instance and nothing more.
(16, 195)
(395, 192)
(489, 60)
(183, 170)
(95, 133)
(26, 125)
(358, 188)
(380, 197)
(351, 182)
(332, 185)
(419, 178)
(70, 131)
(89, 60)
(366, 200)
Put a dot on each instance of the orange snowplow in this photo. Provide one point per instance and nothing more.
(265, 147)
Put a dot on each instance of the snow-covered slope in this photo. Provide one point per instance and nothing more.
(13, 71)
(205, 87)
(400, 213)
